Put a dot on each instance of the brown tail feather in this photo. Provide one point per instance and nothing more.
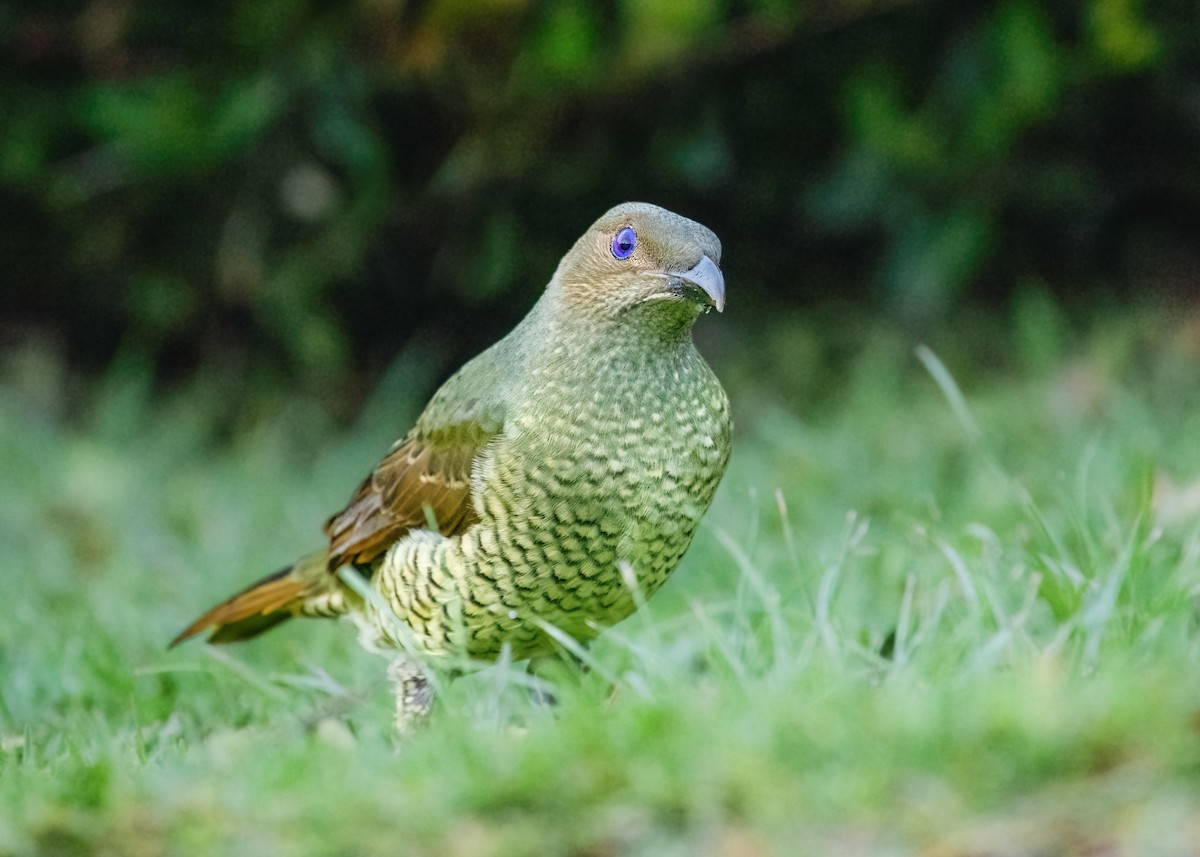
(262, 605)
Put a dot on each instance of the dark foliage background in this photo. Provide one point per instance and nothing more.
(295, 190)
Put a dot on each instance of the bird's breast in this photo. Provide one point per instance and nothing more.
(597, 488)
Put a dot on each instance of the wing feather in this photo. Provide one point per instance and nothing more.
(422, 482)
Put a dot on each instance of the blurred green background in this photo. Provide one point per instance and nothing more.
(292, 193)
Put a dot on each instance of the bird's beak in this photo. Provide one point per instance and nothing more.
(705, 282)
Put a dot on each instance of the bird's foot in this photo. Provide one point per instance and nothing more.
(414, 694)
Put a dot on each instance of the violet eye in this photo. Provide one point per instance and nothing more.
(624, 242)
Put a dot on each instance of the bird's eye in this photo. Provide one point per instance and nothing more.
(624, 242)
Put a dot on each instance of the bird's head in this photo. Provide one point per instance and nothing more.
(641, 264)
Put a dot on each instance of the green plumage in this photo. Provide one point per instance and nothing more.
(566, 465)
(609, 436)
(610, 457)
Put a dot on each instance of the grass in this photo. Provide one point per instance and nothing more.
(944, 604)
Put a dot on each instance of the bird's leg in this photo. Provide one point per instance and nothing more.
(414, 694)
(540, 691)
(550, 669)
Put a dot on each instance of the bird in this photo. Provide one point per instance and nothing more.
(549, 486)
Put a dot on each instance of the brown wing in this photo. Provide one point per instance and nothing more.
(421, 482)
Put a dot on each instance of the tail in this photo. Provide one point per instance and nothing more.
(305, 587)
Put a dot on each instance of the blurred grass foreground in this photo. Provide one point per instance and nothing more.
(923, 617)
(945, 602)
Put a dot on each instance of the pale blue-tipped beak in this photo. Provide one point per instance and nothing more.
(707, 277)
